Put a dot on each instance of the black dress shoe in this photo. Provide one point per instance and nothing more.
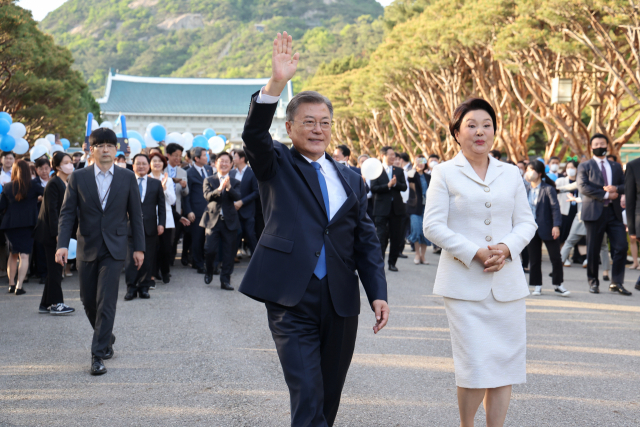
(144, 293)
(617, 287)
(109, 354)
(594, 289)
(638, 286)
(166, 279)
(402, 256)
(202, 271)
(97, 366)
(605, 278)
(208, 278)
(184, 261)
(12, 289)
(393, 267)
(226, 286)
(131, 294)
(20, 291)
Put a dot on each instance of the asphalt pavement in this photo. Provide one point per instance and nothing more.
(195, 355)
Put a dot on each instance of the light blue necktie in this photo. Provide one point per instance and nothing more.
(140, 186)
(321, 267)
(389, 172)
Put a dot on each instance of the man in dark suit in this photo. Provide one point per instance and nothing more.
(104, 198)
(388, 207)
(179, 177)
(601, 184)
(152, 197)
(220, 220)
(246, 206)
(195, 205)
(317, 235)
(632, 195)
(342, 154)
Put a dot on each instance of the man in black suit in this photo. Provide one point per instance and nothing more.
(388, 207)
(342, 154)
(103, 198)
(152, 197)
(601, 183)
(246, 206)
(77, 158)
(220, 220)
(316, 237)
(632, 195)
(195, 205)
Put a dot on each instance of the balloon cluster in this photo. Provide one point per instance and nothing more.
(12, 135)
(210, 141)
(156, 132)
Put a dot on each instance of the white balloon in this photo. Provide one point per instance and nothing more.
(173, 137)
(134, 146)
(43, 142)
(17, 130)
(107, 125)
(372, 169)
(216, 144)
(51, 138)
(37, 152)
(55, 148)
(151, 125)
(22, 146)
(94, 125)
(187, 140)
(149, 141)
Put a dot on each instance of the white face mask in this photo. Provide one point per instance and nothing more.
(571, 172)
(122, 165)
(433, 163)
(553, 168)
(67, 169)
(531, 176)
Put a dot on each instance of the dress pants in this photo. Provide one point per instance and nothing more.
(389, 231)
(141, 279)
(164, 252)
(249, 232)
(52, 292)
(177, 233)
(315, 347)
(617, 236)
(535, 258)
(575, 236)
(405, 229)
(197, 243)
(99, 281)
(216, 236)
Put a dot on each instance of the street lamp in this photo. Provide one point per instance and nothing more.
(561, 90)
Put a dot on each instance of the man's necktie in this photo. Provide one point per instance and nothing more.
(140, 186)
(321, 267)
(389, 172)
(203, 174)
(606, 181)
(172, 172)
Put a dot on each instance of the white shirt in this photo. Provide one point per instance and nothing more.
(221, 178)
(607, 168)
(169, 199)
(5, 177)
(405, 193)
(172, 171)
(200, 169)
(144, 186)
(240, 173)
(103, 181)
(43, 182)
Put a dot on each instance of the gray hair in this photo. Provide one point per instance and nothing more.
(307, 97)
(196, 152)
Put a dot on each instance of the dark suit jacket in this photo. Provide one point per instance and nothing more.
(355, 169)
(296, 227)
(97, 226)
(248, 193)
(548, 213)
(385, 198)
(46, 229)
(220, 200)
(590, 183)
(23, 213)
(631, 189)
(195, 202)
(153, 202)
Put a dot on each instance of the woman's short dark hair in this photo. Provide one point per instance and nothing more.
(161, 157)
(571, 162)
(57, 158)
(472, 104)
(539, 167)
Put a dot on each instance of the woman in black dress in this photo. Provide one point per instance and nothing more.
(20, 200)
(46, 233)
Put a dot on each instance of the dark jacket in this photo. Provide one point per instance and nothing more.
(415, 204)
(154, 212)
(385, 198)
(548, 213)
(297, 227)
(248, 193)
(195, 202)
(631, 192)
(23, 213)
(356, 170)
(95, 225)
(590, 183)
(46, 229)
(220, 200)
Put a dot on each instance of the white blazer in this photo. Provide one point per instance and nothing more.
(464, 213)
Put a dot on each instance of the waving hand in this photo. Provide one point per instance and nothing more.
(283, 64)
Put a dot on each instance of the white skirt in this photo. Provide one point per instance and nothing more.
(489, 341)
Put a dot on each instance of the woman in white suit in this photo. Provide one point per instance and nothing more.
(477, 211)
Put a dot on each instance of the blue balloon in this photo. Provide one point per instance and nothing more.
(8, 143)
(209, 133)
(119, 153)
(223, 137)
(6, 116)
(200, 141)
(73, 246)
(4, 126)
(135, 135)
(119, 134)
(65, 143)
(158, 133)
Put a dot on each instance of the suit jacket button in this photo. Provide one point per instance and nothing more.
(488, 238)
(318, 253)
(487, 221)
(326, 231)
(488, 204)
(487, 189)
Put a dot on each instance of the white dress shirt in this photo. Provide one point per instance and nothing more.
(200, 169)
(169, 199)
(607, 168)
(103, 181)
(144, 186)
(405, 193)
(240, 173)
(5, 177)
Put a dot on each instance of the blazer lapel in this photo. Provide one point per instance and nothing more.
(115, 186)
(596, 166)
(310, 175)
(495, 170)
(93, 187)
(465, 167)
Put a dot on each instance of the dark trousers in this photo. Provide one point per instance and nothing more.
(164, 253)
(221, 234)
(99, 281)
(52, 292)
(535, 257)
(177, 234)
(525, 257)
(141, 278)
(607, 223)
(197, 243)
(38, 264)
(404, 231)
(249, 232)
(315, 347)
(389, 231)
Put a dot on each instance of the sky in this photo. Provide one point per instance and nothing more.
(40, 8)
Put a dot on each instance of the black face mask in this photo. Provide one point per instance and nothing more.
(599, 152)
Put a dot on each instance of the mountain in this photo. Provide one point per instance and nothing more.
(209, 38)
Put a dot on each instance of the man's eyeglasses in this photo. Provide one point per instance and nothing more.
(311, 124)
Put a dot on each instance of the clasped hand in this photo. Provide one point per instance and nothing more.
(493, 257)
(612, 190)
(226, 183)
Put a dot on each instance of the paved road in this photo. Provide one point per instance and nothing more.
(194, 355)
